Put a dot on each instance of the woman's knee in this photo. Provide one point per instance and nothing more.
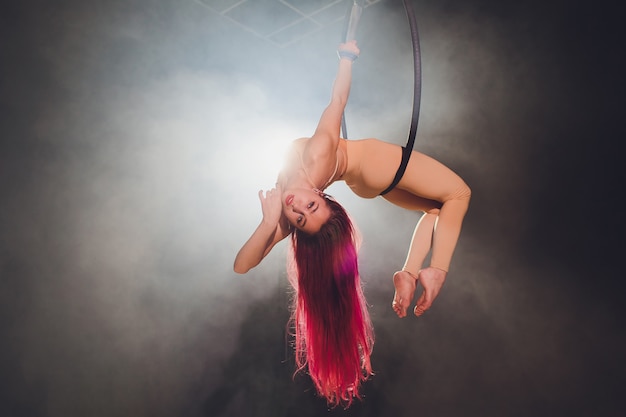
(465, 192)
(461, 195)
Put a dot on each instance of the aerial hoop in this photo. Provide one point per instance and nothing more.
(353, 20)
(349, 33)
(417, 94)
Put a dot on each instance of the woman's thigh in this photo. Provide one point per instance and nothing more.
(430, 179)
(411, 201)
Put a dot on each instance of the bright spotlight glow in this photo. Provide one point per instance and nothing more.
(259, 157)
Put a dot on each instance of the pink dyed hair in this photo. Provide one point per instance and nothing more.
(333, 332)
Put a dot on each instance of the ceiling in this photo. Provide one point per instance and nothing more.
(282, 22)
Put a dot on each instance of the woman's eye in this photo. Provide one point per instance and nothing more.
(310, 205)
(299, 219)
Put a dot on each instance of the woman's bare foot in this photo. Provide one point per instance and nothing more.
(405, 283)
(432, 280)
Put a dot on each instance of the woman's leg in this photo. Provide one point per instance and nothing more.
(431, 180)
(427, 178)
(405, 280)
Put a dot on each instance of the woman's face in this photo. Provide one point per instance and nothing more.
(305, 209)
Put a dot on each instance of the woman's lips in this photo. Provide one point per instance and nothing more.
(289, 200)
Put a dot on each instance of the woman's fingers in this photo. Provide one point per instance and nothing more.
(271, 205)
(274, 192)
(350, 46)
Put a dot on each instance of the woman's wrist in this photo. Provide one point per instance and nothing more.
(350, 56)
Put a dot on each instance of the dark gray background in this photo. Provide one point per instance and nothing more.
(135, 135)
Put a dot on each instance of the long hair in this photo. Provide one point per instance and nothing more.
(333, 332)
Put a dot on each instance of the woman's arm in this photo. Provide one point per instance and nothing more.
(320, 152)
(272, 229)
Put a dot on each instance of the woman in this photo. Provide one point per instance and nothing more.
(334, 336)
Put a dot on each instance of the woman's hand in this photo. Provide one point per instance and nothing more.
(266, 235)
(271, 205)
(350, 47)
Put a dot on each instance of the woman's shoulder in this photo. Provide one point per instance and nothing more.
(296, 149)
(293, 157)
(299, 143)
